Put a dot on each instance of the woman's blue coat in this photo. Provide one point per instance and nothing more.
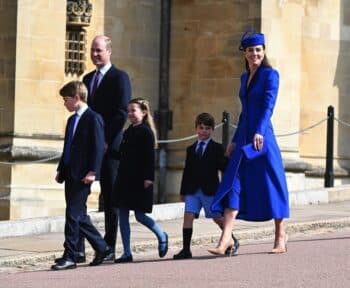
(258, 187)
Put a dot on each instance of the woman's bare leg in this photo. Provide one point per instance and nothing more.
(281, 237)
(226, 238)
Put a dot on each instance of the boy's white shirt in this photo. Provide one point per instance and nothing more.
(79, 112)
(205, 144)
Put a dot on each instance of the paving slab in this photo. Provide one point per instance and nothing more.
(21, 250)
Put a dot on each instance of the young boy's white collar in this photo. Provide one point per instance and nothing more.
(206, 141)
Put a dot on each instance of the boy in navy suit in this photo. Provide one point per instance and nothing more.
(200, 180)
(79, 166)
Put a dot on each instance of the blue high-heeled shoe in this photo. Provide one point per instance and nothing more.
(163, 246)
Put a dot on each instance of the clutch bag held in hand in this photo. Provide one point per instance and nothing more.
(250, 153)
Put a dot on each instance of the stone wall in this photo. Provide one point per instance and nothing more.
(341, 81)
(326, 64)
(33, 118)
(282, 25)
(307, 41)
(134, 29)
(205, 67)
(8, 26)
(33, 112)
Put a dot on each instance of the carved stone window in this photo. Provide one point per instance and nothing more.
(78, 17)
(75, 52)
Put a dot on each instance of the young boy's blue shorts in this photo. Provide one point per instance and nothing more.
(194, 203)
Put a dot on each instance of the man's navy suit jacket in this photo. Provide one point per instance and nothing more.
(87, 147)
(111, 102)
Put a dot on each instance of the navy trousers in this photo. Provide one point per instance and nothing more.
(109, 172)
(78, 223)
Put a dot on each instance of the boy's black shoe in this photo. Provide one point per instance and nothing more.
(80, 257)
(183, 254)
(64, 264)
(233, 250)
(125, 259)
(100, 256)
(110, 257)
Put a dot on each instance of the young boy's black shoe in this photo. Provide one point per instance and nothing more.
(183, 254)
(124, 259)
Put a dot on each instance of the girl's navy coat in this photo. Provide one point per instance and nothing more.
(137, 159)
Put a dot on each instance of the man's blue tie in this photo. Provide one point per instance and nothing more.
(200, 150)
(67, 147)
(95, 84)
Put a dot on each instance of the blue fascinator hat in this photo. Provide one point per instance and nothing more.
(250, 38)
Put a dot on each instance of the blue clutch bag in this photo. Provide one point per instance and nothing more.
(250, 153)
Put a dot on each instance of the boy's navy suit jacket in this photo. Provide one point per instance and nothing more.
(203, 173)
(87, 147)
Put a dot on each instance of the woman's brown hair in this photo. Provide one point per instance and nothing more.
(265, 61)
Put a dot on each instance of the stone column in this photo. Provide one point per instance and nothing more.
(281, 21)
(32, 115)
(8, 26)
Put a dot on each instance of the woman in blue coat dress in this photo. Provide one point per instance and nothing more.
(254, 188)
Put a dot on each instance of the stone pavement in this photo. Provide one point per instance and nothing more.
(30, 249)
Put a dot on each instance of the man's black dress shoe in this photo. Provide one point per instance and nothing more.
(80, 257)
(110, 257)
(124, 259)
(183, 254)
(100, 256)
(233, 250)
(64, 264)
(163, 247)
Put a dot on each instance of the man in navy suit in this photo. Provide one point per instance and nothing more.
(80, 166)
(109, 95)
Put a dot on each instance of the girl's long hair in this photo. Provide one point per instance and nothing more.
(148, 119)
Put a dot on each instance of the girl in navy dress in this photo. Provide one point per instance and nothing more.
(134, 187)
(254, 189)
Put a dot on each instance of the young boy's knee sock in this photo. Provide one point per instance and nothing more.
(186, 238)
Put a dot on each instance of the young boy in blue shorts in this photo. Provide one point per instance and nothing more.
(200, 180)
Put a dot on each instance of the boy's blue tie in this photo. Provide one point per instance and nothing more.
(67, 147)
(200, 150)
